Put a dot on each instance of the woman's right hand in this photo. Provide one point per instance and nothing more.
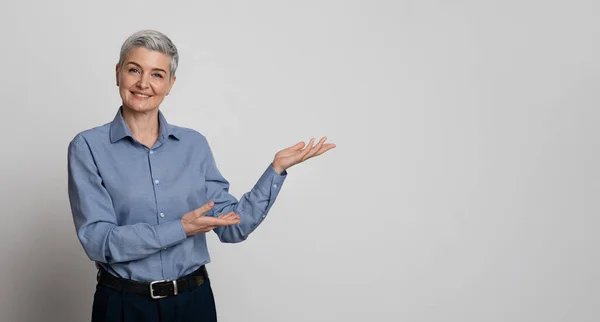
(195, 221)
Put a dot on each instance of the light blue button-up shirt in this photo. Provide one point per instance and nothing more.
(127, 200)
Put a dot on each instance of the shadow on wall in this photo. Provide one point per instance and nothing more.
(52, 279)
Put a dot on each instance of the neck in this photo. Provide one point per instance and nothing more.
(143, 125)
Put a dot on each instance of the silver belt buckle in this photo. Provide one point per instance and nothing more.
(152, 290)
(155, 297)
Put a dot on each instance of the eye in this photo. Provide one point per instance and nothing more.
(157, 75)
(133, 70)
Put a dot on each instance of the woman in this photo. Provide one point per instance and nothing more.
(144, 192)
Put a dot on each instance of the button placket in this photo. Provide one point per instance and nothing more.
(151, 153)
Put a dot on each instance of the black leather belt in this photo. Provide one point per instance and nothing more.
(156, 289)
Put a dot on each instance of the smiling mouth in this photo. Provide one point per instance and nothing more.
(141, 96)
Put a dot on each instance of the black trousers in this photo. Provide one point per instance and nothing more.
(197, 305)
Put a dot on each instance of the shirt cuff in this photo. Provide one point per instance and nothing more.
(271, 180)
(170, 233)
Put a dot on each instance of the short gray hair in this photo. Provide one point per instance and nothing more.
(151, 40)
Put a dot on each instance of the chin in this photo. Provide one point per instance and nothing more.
(138, 106)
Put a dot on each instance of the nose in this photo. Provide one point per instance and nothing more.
(143, 81)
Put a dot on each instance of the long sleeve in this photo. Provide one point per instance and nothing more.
(252, 207)
(96, 221)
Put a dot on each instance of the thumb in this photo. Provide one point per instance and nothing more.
(206, 208)
(297, 146)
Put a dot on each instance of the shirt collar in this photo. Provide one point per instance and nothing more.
(119, 129)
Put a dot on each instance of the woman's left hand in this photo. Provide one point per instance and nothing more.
(298, 153)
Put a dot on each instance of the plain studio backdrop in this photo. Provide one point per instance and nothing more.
(464, 186)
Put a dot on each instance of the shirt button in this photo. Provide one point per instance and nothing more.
(162, 215)
(275, 186)
(151, 152)
(156, 181)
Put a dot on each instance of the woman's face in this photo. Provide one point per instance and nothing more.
(144, 79)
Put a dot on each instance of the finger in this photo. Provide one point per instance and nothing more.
(325, 148)
(227, 222)
(297, 147)
(307, 149)
(234, 217)
(231, 215)
(212, 222)
(314, 150)
(206, 208)
(227, 215)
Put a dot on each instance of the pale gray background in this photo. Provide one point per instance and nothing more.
(464, 187)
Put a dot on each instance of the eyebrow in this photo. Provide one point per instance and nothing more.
(140, 66)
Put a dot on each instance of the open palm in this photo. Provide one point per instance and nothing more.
(299, 153)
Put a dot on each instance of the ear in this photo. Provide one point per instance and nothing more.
(173, 79)
(117, 73)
